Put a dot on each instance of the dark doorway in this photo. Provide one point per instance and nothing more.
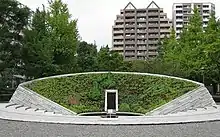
(111, 101)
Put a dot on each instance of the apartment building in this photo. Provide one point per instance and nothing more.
(137, 31)
(183, 11)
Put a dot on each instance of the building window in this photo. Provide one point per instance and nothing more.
(179, 7)
(179, 17)
(179, 11)
(179, 23)
(206, 11)
(205, 6)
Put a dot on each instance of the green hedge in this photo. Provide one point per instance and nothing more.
(137, 93)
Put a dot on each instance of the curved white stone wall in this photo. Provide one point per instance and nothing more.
(197, 98)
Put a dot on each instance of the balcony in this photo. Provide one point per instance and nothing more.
(164, 19)
(141, 48)
(118, 49)
(141, 37)
(206, 14)
(129, 48)
(153, 30)
(141, 42)
(165, 30)
(118, 32)
(163, 14)
(153, 42)
(141, 53)
(179, 14)
(142, 26)
(130, 26)
(141, 31)
(118, 43)
(130, 37)
(130, 14)
(153, 36)
(164, 25)
(206, 19)
(118, 26)
(119, 21)
(118, 37)
(153, 19)
(152, 53)
(179, 20)
(130, 31)
(152, 47)
(141, 14)
(129, 42)
(129, 53)
(153, 13)
(179, 25)
(129, 20)
(153, 25)
(141, 20)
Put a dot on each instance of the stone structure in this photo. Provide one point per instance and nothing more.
(198, 98)
(29, 114)
(29, 98)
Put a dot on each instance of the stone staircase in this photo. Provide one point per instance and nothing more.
(10, 107)
(193, 111)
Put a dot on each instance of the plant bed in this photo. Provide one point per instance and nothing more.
(137, 93)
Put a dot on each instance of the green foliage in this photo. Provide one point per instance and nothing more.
(137, 93)
(124, 107)
(64, 34)
(50, 42)
(110, 61)
(196, 48)
(212, 50)
(86, 57)
(13, 19)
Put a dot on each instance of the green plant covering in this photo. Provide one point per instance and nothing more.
(137, 93)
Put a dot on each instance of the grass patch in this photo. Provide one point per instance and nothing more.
(137, 93)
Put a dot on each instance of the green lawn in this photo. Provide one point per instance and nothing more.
(137, 93)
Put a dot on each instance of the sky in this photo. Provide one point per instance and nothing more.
(96, 17)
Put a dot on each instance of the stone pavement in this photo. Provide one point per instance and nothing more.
(28, 129)
(22, 113)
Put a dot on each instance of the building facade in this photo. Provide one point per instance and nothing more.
(137, 32)
(183, 11)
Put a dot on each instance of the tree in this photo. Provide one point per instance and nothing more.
(64, 34)
(110, 61)
(37, 51)
(86, 57)
(13, 19)
(186, 54)
(212, 50)
(50, 42)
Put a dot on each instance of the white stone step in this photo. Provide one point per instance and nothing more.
(10, 105)
(31, 110)
(200, 109)
(40, 111)
(58, 114)
(49, 113)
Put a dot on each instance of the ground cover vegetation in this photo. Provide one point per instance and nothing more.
(137, 93)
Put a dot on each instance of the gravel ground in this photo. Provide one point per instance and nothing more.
(27, 129)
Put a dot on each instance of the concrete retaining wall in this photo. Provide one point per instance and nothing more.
(27, 97)
(198, 98)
